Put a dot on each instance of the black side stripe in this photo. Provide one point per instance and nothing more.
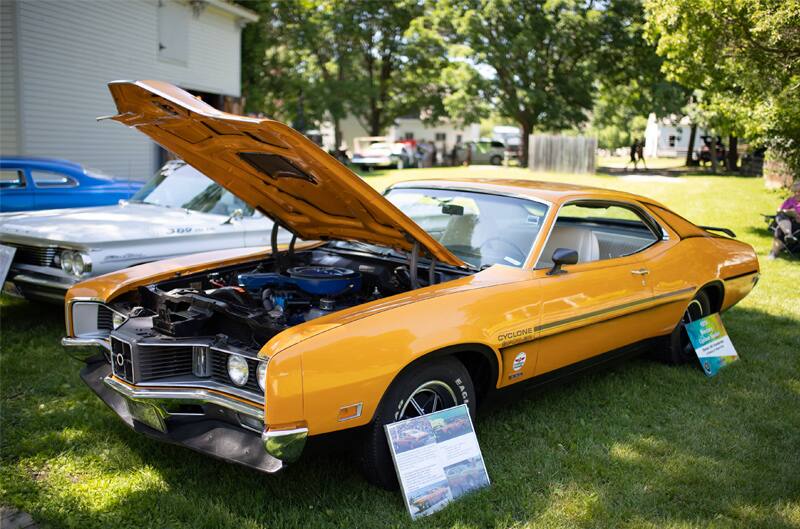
(740, 275)
(600, 312)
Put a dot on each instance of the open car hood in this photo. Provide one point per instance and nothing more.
(272, 167)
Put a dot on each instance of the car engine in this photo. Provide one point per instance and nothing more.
(251, 304)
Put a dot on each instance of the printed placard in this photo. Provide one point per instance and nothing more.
(437, 459)
(6, 256)
(711, 343)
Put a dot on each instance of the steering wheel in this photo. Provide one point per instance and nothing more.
(494, 246)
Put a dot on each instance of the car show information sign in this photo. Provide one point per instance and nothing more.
(6, 256)
(711, 343)
(437, 459)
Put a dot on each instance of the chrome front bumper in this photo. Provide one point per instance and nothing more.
(37, 286)
(200, 419)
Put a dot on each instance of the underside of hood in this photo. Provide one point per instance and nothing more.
(272, 167)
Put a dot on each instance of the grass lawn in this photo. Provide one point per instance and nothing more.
(642, 445)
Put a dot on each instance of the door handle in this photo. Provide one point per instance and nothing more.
(640, 272)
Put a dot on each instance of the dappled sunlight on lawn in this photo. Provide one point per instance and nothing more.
(640, 445)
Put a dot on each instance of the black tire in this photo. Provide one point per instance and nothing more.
(496, 160)
(676, 348)
(374, 456)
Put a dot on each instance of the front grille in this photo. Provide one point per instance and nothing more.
(219, 371)
(136, 363)
(154, 362)
(105, 318)
(34, 255)
(122, 360)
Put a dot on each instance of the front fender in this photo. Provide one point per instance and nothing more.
(355, 362)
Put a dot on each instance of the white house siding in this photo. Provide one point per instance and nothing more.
(351, 128)
(8, 78)
(70, 49)
(664, 139)
(419, 131)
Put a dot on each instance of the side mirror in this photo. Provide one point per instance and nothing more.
(562, 256)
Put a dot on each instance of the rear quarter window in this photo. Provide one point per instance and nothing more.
(52, 179)
(682, 227)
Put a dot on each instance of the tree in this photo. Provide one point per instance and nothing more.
(327, 59)
(538, 56)
(629, 80)
(744, 57)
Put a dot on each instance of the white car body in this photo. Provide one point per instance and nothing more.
(117, 237)
(384, 154)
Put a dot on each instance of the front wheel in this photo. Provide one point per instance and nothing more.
(677, 348)
(432, 386)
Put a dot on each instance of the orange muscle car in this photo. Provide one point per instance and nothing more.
(383, 307)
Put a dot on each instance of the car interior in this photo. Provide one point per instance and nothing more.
(597, 233)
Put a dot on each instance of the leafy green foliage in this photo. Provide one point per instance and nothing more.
(744, 57)
(630, 83)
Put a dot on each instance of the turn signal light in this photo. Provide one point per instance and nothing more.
(350, 412)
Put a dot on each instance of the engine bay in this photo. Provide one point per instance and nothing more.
(249, 304)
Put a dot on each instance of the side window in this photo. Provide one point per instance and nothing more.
(598, 231)
(52, 179)
(12, 179)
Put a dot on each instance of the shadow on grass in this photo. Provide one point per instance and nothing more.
(641, 444)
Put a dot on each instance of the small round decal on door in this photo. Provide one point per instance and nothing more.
(519, 361)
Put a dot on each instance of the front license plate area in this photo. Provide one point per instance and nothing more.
(147, 414)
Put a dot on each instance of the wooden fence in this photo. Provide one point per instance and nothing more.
(562, 154)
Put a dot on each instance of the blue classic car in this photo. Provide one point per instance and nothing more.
(44, 183)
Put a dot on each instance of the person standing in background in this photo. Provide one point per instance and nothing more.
(640, 152)
(634, 150)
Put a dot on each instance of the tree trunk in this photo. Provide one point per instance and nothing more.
(337, 134)
(733, 152)
(690, 149)
(713, 153)
(526, 129)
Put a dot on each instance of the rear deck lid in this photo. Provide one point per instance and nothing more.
(272, 167)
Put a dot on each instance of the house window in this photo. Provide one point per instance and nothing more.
(672, 141)
(409, 135)
(458, 138)
(173, 32)
(441, 136)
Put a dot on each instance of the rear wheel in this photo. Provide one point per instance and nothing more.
(496, 160)
(677, 348)
(432, 386)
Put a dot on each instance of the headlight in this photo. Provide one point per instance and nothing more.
(75, 263)
(237, 370)
(66, 261)
(261, 373)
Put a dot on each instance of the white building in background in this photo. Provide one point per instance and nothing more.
(444, 134)
(56, 57)
(665, 138)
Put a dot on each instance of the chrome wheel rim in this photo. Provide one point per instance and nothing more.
(431, 396)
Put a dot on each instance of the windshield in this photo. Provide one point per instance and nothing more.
(183, 186)
(478, 228)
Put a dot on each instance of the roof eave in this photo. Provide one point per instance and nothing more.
(241, 12)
